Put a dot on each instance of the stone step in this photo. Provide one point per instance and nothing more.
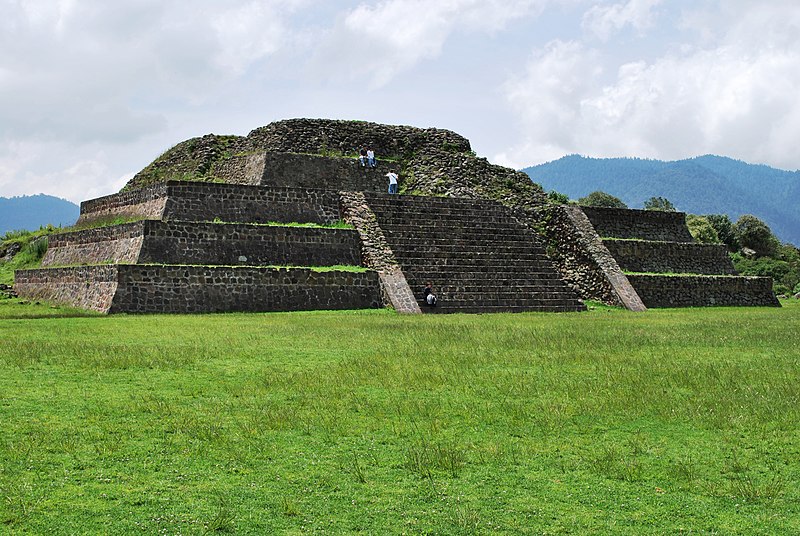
(490, 248)
(520, 241)
(421, 200)
(524, 289)
(470, 264)
(445, 309)
(456, 273)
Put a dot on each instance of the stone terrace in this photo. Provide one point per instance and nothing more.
(667, 268)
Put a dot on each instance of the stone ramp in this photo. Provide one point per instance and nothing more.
(667, 268)
(478, 256)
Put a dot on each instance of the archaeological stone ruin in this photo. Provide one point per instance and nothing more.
(287, 218)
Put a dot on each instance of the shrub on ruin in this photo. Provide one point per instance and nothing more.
(601, 199)
(659, 203)
(753, 233)
(701, 229)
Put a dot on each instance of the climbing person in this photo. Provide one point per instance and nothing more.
(428, 295)
(392, 182)
(371, 157)
(362, 157)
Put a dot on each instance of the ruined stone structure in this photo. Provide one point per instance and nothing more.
(667, 268)
(208, 230)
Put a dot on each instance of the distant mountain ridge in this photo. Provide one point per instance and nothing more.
(702, 185)
(33, 211)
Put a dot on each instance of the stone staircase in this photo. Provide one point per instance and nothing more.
(477, 255)
(667, 268)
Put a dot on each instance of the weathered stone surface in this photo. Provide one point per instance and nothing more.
(582, 258)
(146, 204)
(703, 291)
(8, 251)
(150, 241)
(199, 289)
(643, 224)
(209, 156)
(200, 201)
(85, 287)
(272, 175)
(477, 255)
(670, 257)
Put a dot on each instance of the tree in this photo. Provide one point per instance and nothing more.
(558, 197)
(701, 229)
(659, 203)
(755, 234)
(601, 199)
(724, 227)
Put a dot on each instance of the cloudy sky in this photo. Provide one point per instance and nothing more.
(91, 91)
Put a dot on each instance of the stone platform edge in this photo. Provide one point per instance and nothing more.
(127, 288)
(703, 290)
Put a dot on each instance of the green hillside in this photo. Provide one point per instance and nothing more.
(702, 185)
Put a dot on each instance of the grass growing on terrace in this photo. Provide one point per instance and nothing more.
(347, 422)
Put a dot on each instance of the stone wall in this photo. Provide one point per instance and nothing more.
(703, 291)
(207, 201)
(246, 168)
(203, 289)
(312, 171)
(85, 287)
(670, 257)
(252, 245)
(199, 201)
(205, 243)
(145, 203)
(199, 289)
(643, 224)
(112, 244)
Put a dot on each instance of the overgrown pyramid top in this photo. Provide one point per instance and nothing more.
(431, 161)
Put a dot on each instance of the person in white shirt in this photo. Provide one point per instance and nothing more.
(371, 157)
(392, 182)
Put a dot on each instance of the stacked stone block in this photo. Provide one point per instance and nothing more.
(667, 268)
(160, 242)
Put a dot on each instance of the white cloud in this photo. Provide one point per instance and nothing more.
(379, 41)
(251, 31)
(605, 20)
(735, 97)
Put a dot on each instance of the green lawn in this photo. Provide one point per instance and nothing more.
(671, 421)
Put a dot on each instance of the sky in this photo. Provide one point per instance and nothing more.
(91, 91)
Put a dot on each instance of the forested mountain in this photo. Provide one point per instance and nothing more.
(703, 185)
(32, 211)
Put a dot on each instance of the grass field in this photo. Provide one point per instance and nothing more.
(671, 421)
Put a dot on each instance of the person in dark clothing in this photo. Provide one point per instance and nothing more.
(362, 157)
(427, 293)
